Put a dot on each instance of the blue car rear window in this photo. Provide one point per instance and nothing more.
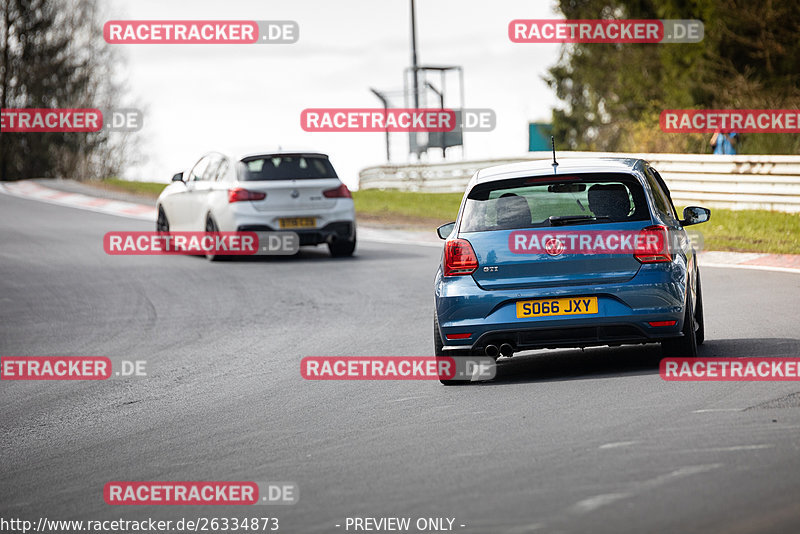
(549, 201)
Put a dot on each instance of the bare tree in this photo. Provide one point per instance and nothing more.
(54, 56)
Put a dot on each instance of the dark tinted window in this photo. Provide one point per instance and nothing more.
(286, 167)
(663, 203)
(664, 188)
(542, 202)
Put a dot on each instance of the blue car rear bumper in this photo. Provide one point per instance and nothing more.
(656, 293)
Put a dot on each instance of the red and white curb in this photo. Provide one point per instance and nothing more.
(34, 191)
(789, 263)
(786, 263)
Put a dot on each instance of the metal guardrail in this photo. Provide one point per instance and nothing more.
(735, 182)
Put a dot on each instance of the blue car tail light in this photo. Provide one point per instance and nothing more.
(653, 245)
(459, 258)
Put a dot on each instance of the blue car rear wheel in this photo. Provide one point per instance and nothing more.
(686, 345)
(440, 353)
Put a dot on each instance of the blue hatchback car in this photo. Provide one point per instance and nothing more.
(584, 253)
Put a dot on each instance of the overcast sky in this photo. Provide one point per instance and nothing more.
(202, 97)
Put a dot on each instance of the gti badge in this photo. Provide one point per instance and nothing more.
(491, 269)
(554, 246)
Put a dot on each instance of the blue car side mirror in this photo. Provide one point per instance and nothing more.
(695, 215)
(445, 230)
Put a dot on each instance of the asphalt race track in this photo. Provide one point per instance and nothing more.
(561, 441)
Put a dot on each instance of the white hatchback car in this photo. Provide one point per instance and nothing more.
(270, 191)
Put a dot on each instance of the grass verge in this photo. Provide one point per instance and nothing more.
(752, 231)
(147, 189)
(424, 210)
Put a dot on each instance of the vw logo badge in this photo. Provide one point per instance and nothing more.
(554, 246)
(295, 193)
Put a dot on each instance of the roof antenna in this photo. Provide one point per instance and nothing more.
(555, 163)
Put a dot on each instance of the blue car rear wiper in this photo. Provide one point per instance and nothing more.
(561, 220)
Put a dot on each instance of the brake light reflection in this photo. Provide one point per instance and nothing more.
(458, 336)
(662, 323)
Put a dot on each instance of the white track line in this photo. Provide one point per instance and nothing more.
(751, 267)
